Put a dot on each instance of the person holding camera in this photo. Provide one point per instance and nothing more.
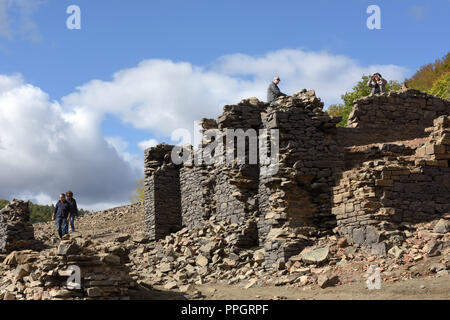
(377, 83)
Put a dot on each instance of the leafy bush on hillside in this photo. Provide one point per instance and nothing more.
(138, 194)
(428, 74)
(441, 87)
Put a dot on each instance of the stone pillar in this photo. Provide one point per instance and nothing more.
(16, 231)
(162, 192)
(295, 202)
(236, 190)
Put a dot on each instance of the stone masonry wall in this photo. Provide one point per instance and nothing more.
(162, 192)
(195, 190)
(16, 231)
(296, 201)
(236, 192)
(322, 185)
(397, 115)
(372, 201)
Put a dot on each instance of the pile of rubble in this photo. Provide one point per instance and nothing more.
(122, 265)
(16, 231)
(52, 273)
(209, 254)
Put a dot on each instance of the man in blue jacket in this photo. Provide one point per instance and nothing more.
(62, 215)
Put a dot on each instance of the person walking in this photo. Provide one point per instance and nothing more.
(62, 215)
(73, 209)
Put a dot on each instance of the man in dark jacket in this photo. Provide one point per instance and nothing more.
(273, 92)
(73, 210)
(62, 215)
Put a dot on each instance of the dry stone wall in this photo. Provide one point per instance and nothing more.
(44, 275)
(16, 231)
(196, 187)
(320, 185)
(372, 201)
(397, 115)
(297, 197)
(162, 193)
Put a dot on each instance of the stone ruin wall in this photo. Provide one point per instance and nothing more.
(321, 183)
(16, 231)
(298, 199)
(162, 193)
(398, 115)
(375, 200)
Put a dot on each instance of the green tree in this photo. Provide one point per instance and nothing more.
(428, 74)
(138, 194)
(358, 91)
(3, 203)
(441, 87)
(335, 110)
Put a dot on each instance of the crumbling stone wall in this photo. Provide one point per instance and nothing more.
(237, 184)
(196, 186)
(372, 201)
(320, 184)
(43, 275)
(16, 231)
(162, 192)
(397, 115)
(297, 198)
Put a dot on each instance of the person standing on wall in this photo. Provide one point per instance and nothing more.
(73, 210)
(62, 215)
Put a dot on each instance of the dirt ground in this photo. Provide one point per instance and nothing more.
(430, 288)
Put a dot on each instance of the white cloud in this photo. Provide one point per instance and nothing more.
(161, 95)
(22, 22)
(44, 152)
(47, 147)
(330, 75)
(147, 144)
(121, 146)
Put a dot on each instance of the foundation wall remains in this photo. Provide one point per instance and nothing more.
(363, 181)
(16, 231)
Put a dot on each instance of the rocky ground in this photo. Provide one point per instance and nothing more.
(206, 264)
(102, 224)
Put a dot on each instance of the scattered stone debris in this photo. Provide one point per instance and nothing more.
(44, 275)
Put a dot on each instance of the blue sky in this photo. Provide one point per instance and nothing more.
(216, 51)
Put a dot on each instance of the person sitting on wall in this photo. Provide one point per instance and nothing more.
(377, 83)
(273, 92)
